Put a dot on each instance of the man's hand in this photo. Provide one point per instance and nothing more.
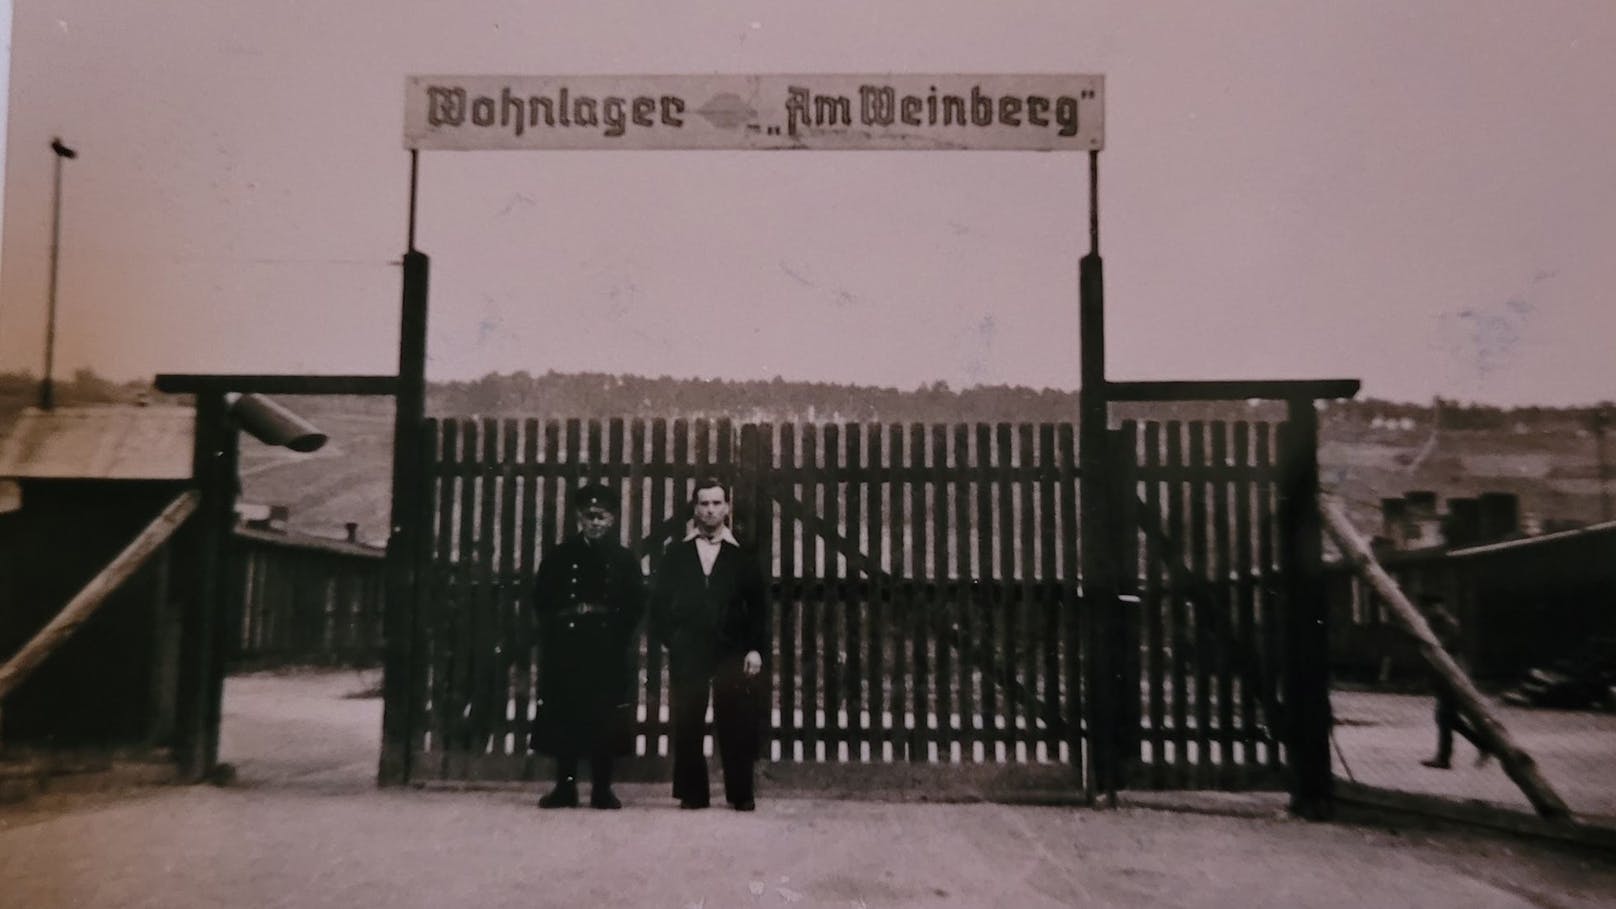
(753, 664)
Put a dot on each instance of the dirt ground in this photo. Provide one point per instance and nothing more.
(1381, 738)
(303, 826)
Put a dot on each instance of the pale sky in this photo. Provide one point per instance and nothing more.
(1419, 194)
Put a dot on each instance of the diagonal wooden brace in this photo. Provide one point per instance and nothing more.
(88, 600)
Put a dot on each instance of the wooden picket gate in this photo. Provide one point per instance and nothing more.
(925, 590)
(1205, 635)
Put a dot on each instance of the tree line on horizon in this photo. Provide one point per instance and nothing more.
(591, 394)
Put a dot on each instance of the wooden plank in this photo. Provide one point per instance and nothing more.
(613, 466)
(1153, 603)
(594, 456)
(1026, 545)
(83, 604)
(634, 501)
(1124, 509)
(701, 457)
(1201, 620)
(1448, 675)
(876, 519)
(811, 647)
(964, 599)
(458, 742)
(764, 535)
(726, 463)
(487, 705)
(195, 383)
(527, 553)
(920, 607)
(1178, 622)
(572, 474)
(902, 721)
(1245, 606)
(831, 643)
(656, 742)
(941, 609)
(1223, 604)
(640, 516)
(1238, 390)
(506, 736)
(1075, 711)
(987, 598)
(857, 609)
(440, 611)
(633, 530)
(1050, 600)
(789, 605)
(1268, 588)
(1008, 601)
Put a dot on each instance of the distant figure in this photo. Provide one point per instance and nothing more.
(589, 597)
(1448, 720)
(709, 608)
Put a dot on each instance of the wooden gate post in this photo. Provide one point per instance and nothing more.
(1307, 669)
(1099, 535)
(399, 691)
(201, 687)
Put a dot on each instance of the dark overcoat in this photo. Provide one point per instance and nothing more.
(588, 599)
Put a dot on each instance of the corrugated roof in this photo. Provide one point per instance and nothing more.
(104, 442)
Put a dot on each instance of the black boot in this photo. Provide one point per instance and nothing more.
(565, 793)
(600, 784)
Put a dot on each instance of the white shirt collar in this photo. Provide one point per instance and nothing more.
(724, 534)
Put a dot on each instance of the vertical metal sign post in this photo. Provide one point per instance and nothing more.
(1099, 603)
(409, 414)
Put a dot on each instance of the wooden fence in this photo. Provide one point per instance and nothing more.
(926, 600)
(1206, 642)
(304, 600)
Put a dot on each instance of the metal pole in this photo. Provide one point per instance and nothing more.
(415, 162)
(47, 390)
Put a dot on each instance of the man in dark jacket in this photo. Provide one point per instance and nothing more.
(1448, 719)
(588, 597)
(709, 608)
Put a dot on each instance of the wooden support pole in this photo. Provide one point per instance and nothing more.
(400, 692)
(1517, 763)
(1307, 652)
(84, 604)
(202, 661)
(1100, 532)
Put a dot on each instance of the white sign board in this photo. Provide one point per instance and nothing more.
(826, 112)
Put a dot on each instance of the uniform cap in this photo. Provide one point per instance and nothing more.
(597, 495)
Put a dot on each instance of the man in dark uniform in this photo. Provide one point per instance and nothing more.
(1448, 719)
(709, 608)
(588, 598)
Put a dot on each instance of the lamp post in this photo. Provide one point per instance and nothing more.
(47, 393)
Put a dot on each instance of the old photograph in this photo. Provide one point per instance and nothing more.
(755, 453)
